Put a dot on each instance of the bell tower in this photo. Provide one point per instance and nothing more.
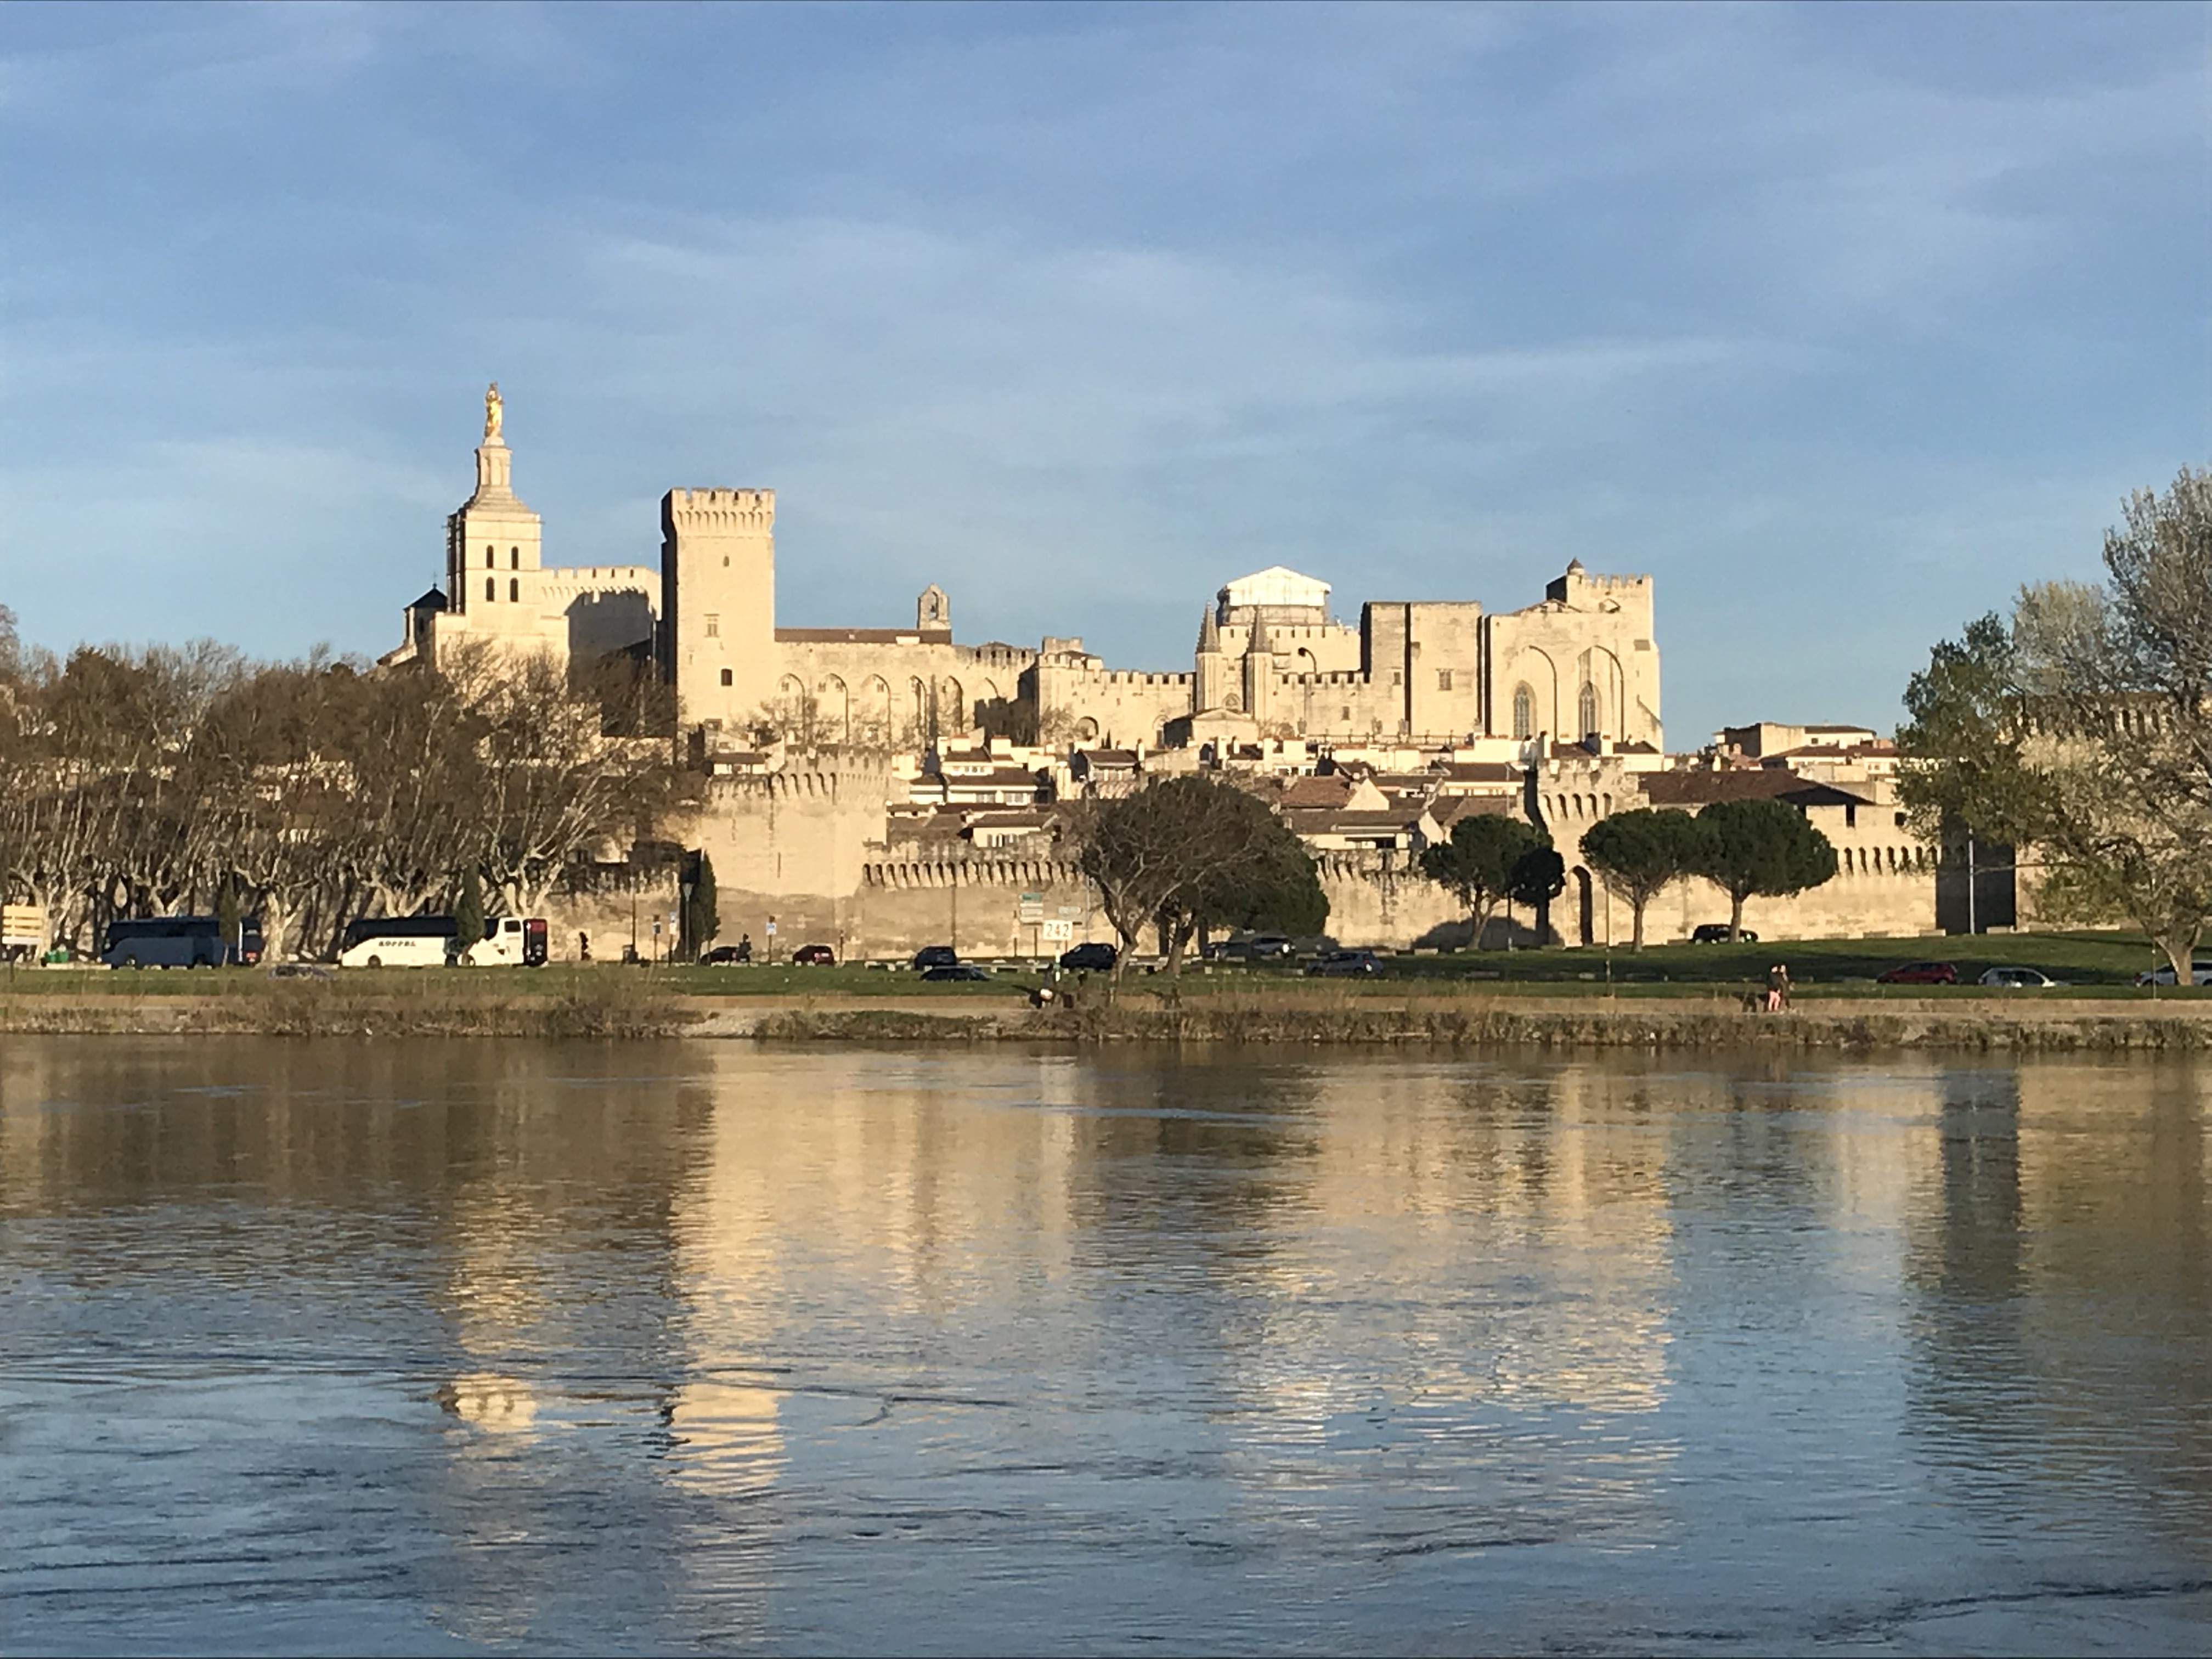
(494, 544)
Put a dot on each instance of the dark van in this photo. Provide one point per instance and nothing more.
(180, 942)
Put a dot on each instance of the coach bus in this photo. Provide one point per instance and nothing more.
(180, 942)
(428, 942)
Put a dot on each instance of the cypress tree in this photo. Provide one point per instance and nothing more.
(468, 913)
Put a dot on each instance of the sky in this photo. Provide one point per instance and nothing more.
(1840, 322)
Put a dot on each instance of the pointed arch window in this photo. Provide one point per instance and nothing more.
(491, 587)
(514, 588)
(1588, 711)
(491, 561)
(514, 558)
(1524, 713)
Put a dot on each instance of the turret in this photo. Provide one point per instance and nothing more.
(1211, 689)
(1259, 675)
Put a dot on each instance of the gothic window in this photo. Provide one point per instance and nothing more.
(714, 625)
(1443, 679)
(725, 677)
(1524, 713)
(514, 588)
(1588, 711)
(491, 587)
(514, 558)
(489, 561)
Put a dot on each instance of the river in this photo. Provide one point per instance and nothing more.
(356, 1346)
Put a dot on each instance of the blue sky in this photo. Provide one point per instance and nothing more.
(1841, 322)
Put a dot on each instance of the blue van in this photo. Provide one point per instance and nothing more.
(180, 942)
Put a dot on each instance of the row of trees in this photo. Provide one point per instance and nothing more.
(1187, 854)
(155, 781)
(1748, 849)
(2081, 728)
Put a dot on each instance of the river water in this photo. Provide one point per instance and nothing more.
(434, 1346)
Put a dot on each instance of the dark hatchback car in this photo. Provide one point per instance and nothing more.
(954, 970)
(937, 956)
(1718, 933)
(814, 956)
(725, 956)
(1346, 964)
(1921, 973)
(1092, 959)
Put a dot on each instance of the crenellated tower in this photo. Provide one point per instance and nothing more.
(718, 603)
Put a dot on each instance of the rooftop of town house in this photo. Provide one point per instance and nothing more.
(1322, 820)
(1477, 771)
(1107, 759)
(1702, 788)
(1331, 790)
(1451, 808)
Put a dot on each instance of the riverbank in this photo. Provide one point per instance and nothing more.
(614, 1006)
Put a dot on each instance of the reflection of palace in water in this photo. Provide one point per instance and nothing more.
(732, 1268)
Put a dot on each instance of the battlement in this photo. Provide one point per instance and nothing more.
(1578, 582)
(730, 511)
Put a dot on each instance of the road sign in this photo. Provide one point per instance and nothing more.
(1030, 908)
(1058, 933)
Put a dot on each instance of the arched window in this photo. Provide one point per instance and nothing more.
(491, 587)
(514, 558)
(514, 588)
(725, 677)
(1524, 713)
(489, 562)
(1588, 711)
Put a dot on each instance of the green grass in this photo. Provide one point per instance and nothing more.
(2096, 964)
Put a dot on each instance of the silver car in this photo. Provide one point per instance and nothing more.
(2020, 979)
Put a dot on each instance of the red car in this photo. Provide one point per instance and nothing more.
(813, 956)
(1921, 973)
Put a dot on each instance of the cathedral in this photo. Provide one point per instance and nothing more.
(1271, 660)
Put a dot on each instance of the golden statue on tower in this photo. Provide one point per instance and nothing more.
(495, 414)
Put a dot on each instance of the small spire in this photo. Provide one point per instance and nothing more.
(1209, 633)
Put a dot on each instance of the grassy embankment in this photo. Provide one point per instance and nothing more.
(1672, 996)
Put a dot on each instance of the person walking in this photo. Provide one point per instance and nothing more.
(1778, 988)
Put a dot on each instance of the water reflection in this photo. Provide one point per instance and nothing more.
(676, 1346)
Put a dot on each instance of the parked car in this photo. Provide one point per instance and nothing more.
(2019, 979)
(725, 956)
(1920, 973)
(955, 970)
(813, 956)
(937, 956)
(1090, 958)
(1252, 947)
(1719, 932)
(2200, 973)
(1345, 965)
